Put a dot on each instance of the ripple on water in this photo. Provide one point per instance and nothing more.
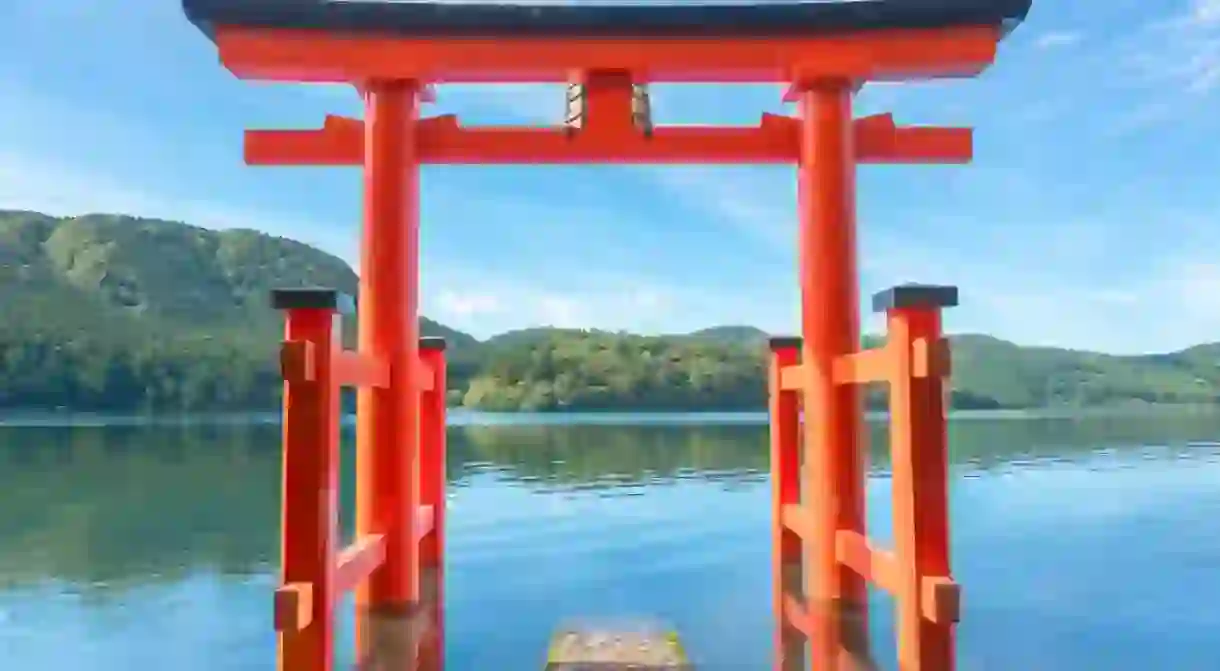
(1110, 553)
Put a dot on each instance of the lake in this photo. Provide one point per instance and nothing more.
(1081, 543)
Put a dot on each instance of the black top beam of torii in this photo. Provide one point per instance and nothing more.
(694, 19)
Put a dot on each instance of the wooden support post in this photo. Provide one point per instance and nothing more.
(432, 495)
(786, 545)
(305, 600)
(927, 595)
(387, 424)
(834, 482)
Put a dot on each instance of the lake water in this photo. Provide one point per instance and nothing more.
(1080, 543)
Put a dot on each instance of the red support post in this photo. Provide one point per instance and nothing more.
(830, 326)
(786, 546)
(387, 424)
(432, 496)
(928, 598)
(305, 600)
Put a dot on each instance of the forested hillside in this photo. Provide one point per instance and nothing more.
(118, 313)
(107, 312)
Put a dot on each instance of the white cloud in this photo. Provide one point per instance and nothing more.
(1029, 286)
(1182, 50)
(1058, 39)
(1023, 285)
(563, 311)
(650, 299)
(1203, 36)
(56, 188)
(484, 304)
(1205, 12)
(739, 198)
(479, 302)
(1189, 291)
(467, 304)
(1138, 65)
(61, 180)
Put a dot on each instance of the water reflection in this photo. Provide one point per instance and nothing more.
(186, 515)
(93, 504)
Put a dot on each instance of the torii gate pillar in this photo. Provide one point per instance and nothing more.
(388, 419)
(830, 322)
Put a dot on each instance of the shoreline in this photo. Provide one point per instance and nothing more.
(468, 417)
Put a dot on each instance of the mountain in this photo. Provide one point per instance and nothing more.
(111, 311)
(740, 335)
(1016, 376)
(571, 369)
(152, 274)
(531, 335)
(116, 313)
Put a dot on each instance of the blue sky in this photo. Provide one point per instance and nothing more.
(1090, 217)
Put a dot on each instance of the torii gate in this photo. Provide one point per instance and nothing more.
(393, 52)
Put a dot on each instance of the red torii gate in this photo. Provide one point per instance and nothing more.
(392, 53)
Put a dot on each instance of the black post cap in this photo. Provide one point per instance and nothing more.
(311, 298)
(783, 342)
(915, 296)
(432, 343)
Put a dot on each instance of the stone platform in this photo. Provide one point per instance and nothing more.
(610, 648)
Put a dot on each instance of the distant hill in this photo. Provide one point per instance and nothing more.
(1017, 376)
(741, 335)
(108, 312)
(155, 274)
(530, 335)
(114, 311)
(723, 369)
